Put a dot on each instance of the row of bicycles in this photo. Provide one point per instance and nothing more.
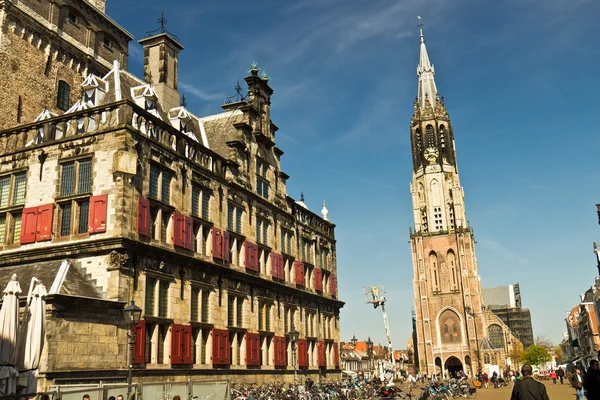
(353, 391)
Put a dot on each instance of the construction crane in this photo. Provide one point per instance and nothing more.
(376, 295)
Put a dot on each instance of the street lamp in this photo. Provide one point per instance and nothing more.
(133, 314)
(472, 314)
(354, 340)
(370, 354)
(294, 335)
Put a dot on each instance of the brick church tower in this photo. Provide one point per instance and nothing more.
(450, 321)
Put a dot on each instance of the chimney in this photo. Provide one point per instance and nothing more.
(161, 54)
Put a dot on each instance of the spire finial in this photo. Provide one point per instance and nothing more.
(302, 197)
(183, 102)
(420, 25)
(324, 211)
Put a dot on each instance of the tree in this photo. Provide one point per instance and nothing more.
(544, 342)
(560, 356)
(536, 355)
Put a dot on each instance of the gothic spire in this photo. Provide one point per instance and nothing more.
(425, 72)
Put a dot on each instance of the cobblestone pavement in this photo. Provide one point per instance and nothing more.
(555, 392)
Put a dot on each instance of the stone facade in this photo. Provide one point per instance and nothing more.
(43, 43)
(189, 217)
(452, 323)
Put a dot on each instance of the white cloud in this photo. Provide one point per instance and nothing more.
(201, 94)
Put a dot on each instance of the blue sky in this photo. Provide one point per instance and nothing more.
(520, 78)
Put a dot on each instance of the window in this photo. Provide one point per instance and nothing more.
(451, 217)
(235, 311)
(234, 218)
(200, 304)
(72, 17)
(75, 212)
(437, 215)
(200, 202)
(307, 251)
(496, 336)
(200, 239)
(429, 136)
(309, 324)
(264, 317)
(12, 190)
(63, 98)
(286, 241)
(160, 184)
(156, 302)
(262, 184)
(323, 256)
(107, 42)
(262, 231)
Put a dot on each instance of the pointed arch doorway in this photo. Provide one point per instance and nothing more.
(453, 365)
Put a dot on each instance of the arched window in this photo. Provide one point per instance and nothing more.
(63, 98)
(450, 259)
(496, 336)
(429, 135)
(450, 319)
(433, 263)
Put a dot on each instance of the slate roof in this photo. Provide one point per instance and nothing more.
(220, 130)
(75, 283)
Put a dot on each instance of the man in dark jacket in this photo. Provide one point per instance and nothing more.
(591, 381)
(527, 388)
(561, 374)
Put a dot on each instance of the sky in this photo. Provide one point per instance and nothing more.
(520, 79)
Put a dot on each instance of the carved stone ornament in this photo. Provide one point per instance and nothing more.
(118, 260)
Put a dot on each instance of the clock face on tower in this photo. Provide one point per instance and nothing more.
(431, 155)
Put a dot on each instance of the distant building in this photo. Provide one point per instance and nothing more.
(505, 302)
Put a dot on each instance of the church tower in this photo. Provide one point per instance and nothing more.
(448, 302)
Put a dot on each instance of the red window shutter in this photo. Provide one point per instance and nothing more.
(251, 256)
(217, 237)
(336, 355)
(299, 270)
(275, 265)
(143, 221)
(302, 353)
(97, 218)
(281, 267)
(220, 347)
(186, 341)
(333, 286)
(178, 230)
(139, 345)
(321, 353)
(280, 351)
(29, 225)
(226, 256)
(318, 274)
(189, 233)
(252, 349)
(176, 344)
(44, 222)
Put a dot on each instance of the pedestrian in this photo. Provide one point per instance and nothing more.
(86, 397)
(591, 382)
(553, 376)
(528, 388)
(561, 374)
(577, 382)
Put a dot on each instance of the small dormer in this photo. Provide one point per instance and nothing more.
(145, 97)
(94, 89)
(182, 120)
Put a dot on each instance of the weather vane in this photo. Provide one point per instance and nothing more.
(161, 29)
(238, 96)
(420, 24)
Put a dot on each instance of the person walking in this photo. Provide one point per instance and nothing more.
(561, 374)
(577, 382)
(528, 388)
(591, 382)
(553, 376)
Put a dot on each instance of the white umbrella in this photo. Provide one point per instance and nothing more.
(34, 338)
(9, 324)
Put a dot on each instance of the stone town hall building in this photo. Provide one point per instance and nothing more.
(111, 190)
(454, 329)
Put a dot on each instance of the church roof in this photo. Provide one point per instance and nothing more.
(425, 72)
